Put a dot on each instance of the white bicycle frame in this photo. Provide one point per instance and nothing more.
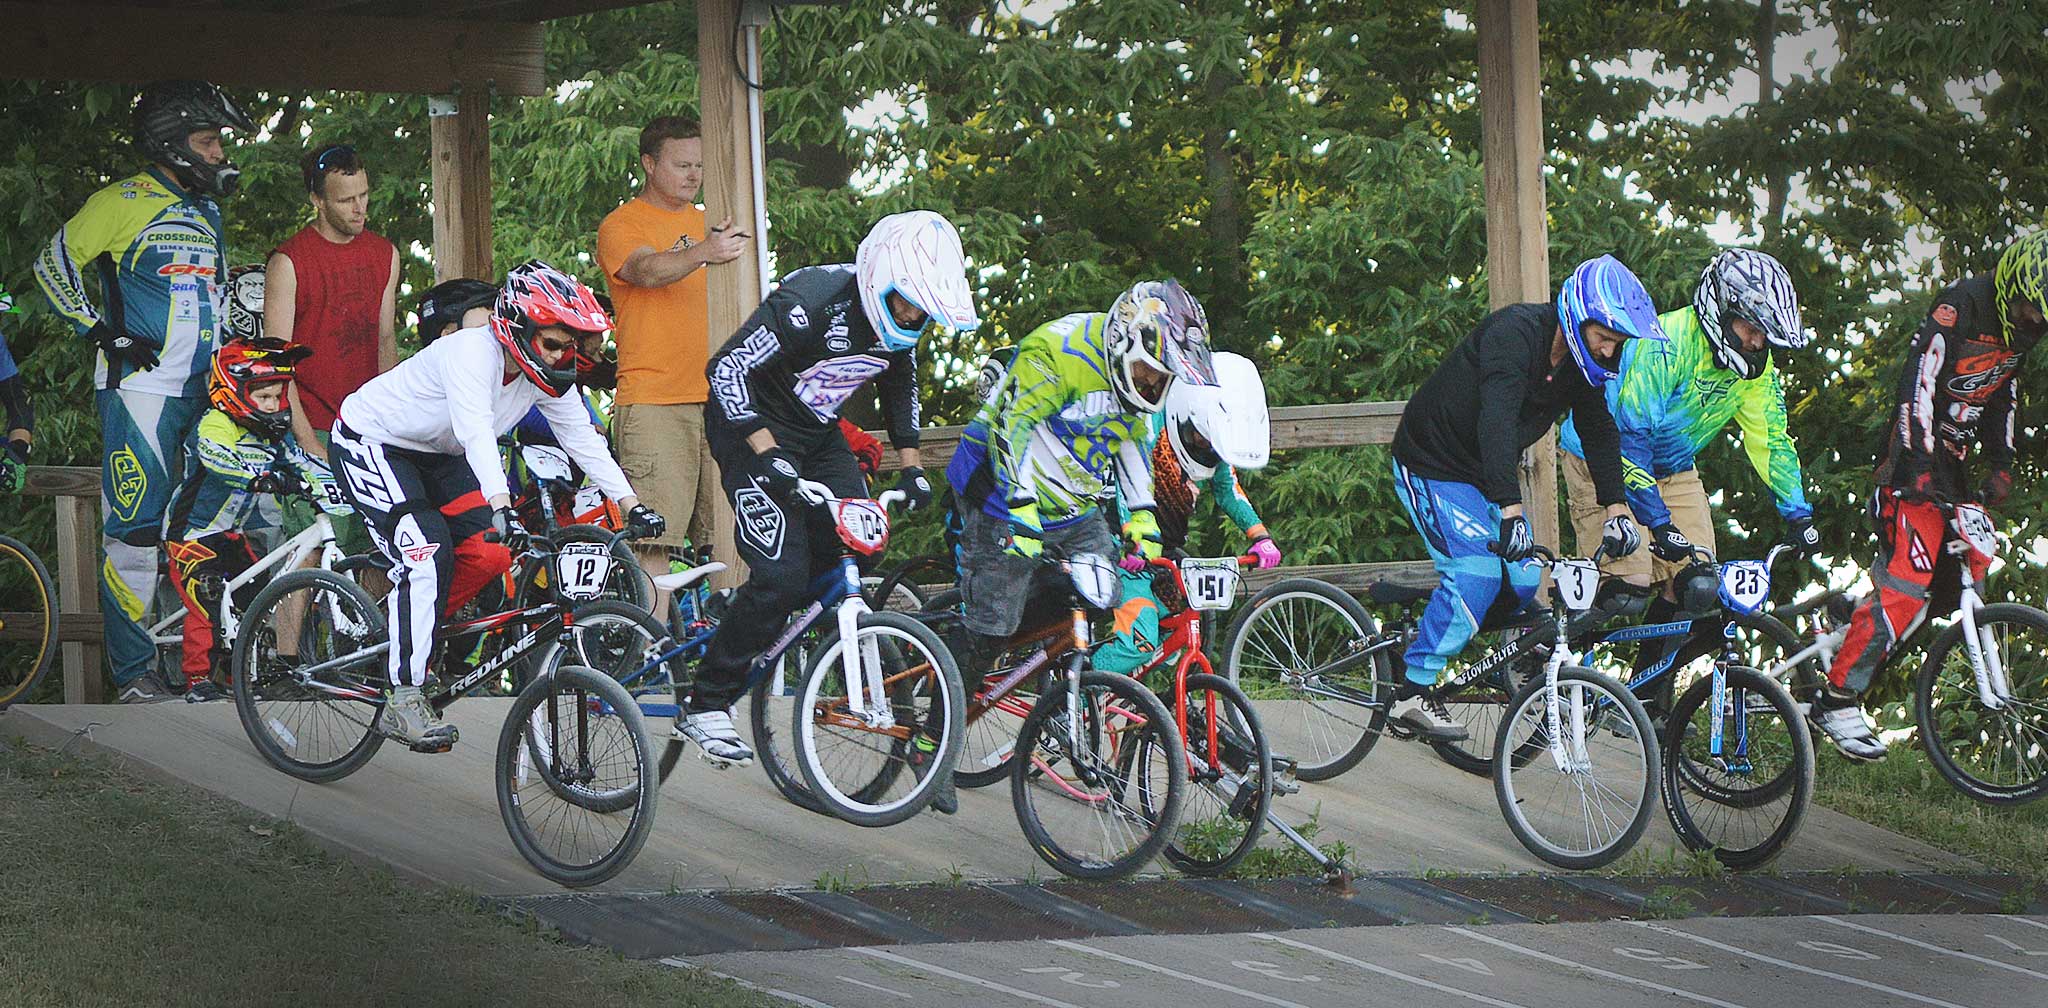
(868, 700)
(288, 555)
(1575, 580)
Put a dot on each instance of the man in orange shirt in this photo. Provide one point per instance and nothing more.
(653, 251)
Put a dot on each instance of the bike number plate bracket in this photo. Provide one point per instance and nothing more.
(863, 525)
(581, 569)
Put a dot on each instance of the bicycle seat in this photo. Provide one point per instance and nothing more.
(362, 561)
(1391, 593)
(678, 580)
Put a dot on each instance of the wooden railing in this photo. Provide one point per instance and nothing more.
(77, 491)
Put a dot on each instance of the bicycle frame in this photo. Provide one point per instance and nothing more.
(288, 555)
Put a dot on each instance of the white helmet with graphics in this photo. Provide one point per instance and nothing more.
(1220, 424)
(917, 257)
(1749, 286)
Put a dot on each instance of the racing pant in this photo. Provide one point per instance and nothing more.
(200, 569)
(1002, 593)
(427, 515)
(787, 544)
(1913, 568)
(144, 437)
(1136, 635)
(1458, 524)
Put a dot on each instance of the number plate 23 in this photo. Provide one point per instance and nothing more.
(1744, 585)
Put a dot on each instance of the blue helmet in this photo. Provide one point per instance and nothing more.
(1603, 290)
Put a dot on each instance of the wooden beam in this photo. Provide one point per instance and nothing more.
(459, 134)
(78, 594)
(729, 138)
(1517, 234)
(271, 51)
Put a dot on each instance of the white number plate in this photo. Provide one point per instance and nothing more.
(1745, 584)
(581, 569)
(544, 462)
(1577, 582)
(1977, 530)
(1211, 583)
(862, 523)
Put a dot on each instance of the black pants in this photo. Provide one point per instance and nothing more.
(786, 544)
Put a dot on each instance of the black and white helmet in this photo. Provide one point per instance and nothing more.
(166, 116)
(1751, 286)
(244, 292)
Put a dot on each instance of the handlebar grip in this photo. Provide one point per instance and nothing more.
(891, 497)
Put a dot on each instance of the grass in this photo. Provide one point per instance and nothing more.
(1274, 857)
(1905, 794)
(121, 891)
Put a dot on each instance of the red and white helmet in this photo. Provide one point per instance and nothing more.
(535, 296)
(917, 255)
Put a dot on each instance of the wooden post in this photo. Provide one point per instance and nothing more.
(729, 140)
(78, 592)
(1517, 235)
(459, 136)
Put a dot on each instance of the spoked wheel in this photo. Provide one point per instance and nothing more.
(571, 735)
(1230, 778)
(1998, 757)
(1098, 789)
(879, 767)
(769, 715)
(1584, 801)
(1479, 708)
(911, 585)
(618, 640)
(28, 621)
(320, 727)
(1745, 803)
(1321, 720)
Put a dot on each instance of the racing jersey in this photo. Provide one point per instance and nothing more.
(1054, 432)
(214, 495)
(164, 247)
(1956, 388)
(801, 355)
(452, 398)
(1671, 399)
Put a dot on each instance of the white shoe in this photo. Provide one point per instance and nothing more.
(717, 741)
(1425, 714)
(1849, 730)
(407, 717)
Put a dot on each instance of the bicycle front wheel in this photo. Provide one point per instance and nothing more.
(28, 635)
(1587, 795)
(1745, 802)
(1326, 722)
(855, 762)
(1098, 787)
(620, 641)
(321, 727)
(593, 741)
(1230, 778)
(1998, 757)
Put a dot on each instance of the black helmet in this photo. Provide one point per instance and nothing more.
(167, 115)
(444, 304)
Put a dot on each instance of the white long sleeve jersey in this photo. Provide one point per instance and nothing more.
(452, 398)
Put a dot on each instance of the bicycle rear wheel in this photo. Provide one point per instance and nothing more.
(589, 732)
(769, 715)
(855, 765)
(1099, 790)
(1322, 721)
(1230, 779)
(1744, 804)
(1587, 801)
(316, 728)
(1998, 757)
(28, 629)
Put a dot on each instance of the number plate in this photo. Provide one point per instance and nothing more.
(1211, 584)
(581, 569)
(1744, 585)
(544, 462)
(1977, 530)
(1577, 582)
(863, 525)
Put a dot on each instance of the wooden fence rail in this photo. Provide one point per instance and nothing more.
(77, 491)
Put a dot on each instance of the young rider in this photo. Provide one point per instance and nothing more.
(1204, 436)
(416, 450)
(776, 389)
(243, 449)
(1459, 446)
(1956, 397)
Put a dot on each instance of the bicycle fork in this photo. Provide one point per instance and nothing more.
(1994, 690)
(860, 658)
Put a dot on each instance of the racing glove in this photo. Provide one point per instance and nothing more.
(1619, 537)
(1267, 552)
(122, 348)
(13, 466)
(1800, 533)
(1026, 538)
(917, 489)
(645, 521)
(1517, 539)
(1997, 487)
(1670, 545)
(1142, 532)
(509, 531)
(775, 472)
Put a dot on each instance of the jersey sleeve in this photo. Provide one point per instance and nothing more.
(1767, 440)
(1134, 471)
(1996, 433)
(573, 432)
(1503, 384)
(98, 227)
(1230, 497)
(732, 369)
(1913, 436)
(1639, 402)
(317, 476)
(898, 388)
(467, 384)
(1602, 442)
(220, 456)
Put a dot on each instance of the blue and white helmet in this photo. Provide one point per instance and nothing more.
(1604, 291)
(1751, 286)
(917, 255)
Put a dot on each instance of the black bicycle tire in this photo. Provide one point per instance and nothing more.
(1244, 718)
(549, 657)
(1923, 710)
(949, 749)
(1375, 718)
(46, 590)
(245, 701)
(634, 837)
(1051, 702)
(1675, 787)
(901, 573)
(1646, 803)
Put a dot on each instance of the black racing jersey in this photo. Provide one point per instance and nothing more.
(1957, 389)
(1495, 394)
(802, 354)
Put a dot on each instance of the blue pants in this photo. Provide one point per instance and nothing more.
(145, 437)
(1457, 523)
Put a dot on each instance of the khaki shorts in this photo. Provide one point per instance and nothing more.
(663, 451)
(1682, 493)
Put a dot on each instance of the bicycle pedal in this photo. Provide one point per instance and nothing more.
(1400, 730)
(432, 748)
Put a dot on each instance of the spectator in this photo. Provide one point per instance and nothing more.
(153, 242)
(332, 288)
(653, 250)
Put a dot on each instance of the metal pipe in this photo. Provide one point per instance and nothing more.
(760, 159)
